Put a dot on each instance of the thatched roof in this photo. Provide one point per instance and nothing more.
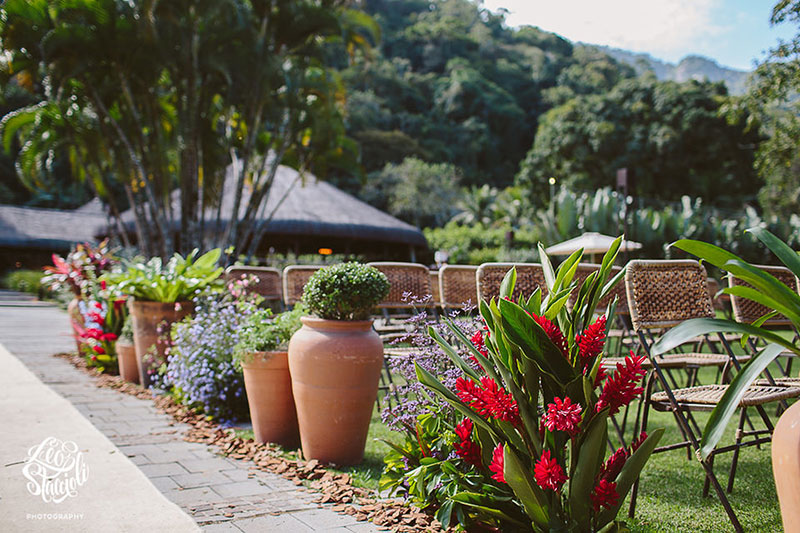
(48, 229)
(307, 206)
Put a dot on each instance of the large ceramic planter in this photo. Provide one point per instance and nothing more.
(269, 393)
(786, 466)
(75, 320)
(148, 318)
(126, 357)
(335, 367)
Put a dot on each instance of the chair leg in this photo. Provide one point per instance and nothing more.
(707, 480)
(735, 459)
(636, 432)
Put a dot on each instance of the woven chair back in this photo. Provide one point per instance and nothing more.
(295, 278)
(662, 294)
(407, 280)
(747, 311)
(268, 284)
(582, 272)
(457, 285)
(530, 276)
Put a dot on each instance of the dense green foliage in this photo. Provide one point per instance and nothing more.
(176, 280)
(672, 137)
(347, 291)
(25, 281)
(263, 332)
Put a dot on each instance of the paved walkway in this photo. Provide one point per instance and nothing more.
(220, 494)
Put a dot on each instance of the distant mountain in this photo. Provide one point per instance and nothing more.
(690, 68)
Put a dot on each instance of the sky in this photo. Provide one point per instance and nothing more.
(735, 33)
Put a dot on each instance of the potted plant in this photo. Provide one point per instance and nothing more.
(160, 296)
(126, 353)
(262, 354)
(335, 361)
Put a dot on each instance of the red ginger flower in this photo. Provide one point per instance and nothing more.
(604, 495)
(563, 416)
(497, 465)
(548, 473)
(621, 388)
(613, 465)
(108, 337)
(466, 448)
(92, 333)
(553, 333)
(480, 345)
(99, 350)
(489, 399)
(638, 442)
(590, 342)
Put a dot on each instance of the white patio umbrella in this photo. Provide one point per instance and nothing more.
(592, 243)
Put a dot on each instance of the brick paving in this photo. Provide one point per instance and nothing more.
(221, 494)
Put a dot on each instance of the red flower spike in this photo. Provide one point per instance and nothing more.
(563, 416)
(106, 337)
(489, 399)
(638, 442)
(92, 333)
(553, 333)
(497, 465)
(103, 285)
(613, 465)
(99, 350)
(591, 342)
(480, 345)
(548, 473)
(604, 495)
(466, 448)
(621, 388)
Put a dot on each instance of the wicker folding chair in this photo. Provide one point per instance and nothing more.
(457, 286)
(747, 311)
(269, 280)
(662, 294)
(295, 278)
(490, 275)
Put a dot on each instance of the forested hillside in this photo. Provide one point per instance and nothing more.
(450, 83)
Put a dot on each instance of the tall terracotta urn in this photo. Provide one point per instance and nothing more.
(335, 367)
(148, 318)
(269, 394)
(786, 466)
(126, 357)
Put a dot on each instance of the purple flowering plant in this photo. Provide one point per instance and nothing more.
(200, 364)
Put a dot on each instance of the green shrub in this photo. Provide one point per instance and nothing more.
(264, 333)
(127, 330)
(25, 281)
(347, 291)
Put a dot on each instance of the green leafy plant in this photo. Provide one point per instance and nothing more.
(347, 291)
(177, 280)
(126, 334)
(535, 404)
(29, 281)
(263, 332)
(766, 290)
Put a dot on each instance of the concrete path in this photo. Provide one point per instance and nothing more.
(220, 494)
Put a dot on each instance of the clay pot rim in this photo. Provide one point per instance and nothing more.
(336, 325)
(149, 305)
(257, 358)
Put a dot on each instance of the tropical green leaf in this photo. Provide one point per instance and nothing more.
(787, 256)
(530, 495)
(586, 464)
(722, 413)
(697, 327)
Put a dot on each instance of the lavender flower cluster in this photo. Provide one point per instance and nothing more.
(412, 398)
(200, 361)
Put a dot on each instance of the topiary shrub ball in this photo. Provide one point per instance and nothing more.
(347, 291)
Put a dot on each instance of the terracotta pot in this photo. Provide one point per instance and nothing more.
(269, 393)
(786, 466)
(126, 357)
(147, 317)
(335, 367)
(75, 320)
